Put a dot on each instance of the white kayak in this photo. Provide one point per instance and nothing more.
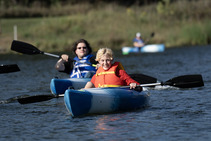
(152, 48)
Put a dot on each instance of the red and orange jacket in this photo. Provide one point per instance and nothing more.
(113, 77)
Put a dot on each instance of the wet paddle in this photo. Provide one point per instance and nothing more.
(9, 68)
(37, 98)
(29, 49)
(184, 81)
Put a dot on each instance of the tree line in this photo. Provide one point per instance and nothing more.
(45, 8)
(49, 3)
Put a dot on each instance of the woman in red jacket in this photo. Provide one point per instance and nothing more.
(110, 74)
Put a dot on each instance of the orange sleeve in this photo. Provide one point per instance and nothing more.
(125, 77)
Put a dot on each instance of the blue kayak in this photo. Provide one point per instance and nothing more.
(59, 86)
(104, 100)
(152, 48)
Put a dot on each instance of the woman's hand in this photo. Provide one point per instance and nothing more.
(60, 63)
(65, 57)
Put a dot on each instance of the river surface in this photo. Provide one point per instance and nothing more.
(173, 114)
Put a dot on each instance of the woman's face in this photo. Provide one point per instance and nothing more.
(105, 62)
(81, 50)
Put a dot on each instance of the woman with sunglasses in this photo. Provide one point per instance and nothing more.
(82, 65)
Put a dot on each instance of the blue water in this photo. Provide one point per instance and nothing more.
(174, 114)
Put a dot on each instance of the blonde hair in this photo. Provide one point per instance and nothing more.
(104, 51)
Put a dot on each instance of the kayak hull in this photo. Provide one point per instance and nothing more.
(152, 48)
(104, 100)
(59, 86)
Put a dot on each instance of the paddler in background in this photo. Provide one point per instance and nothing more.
(138, 41)
(110, 74)
(82, 65)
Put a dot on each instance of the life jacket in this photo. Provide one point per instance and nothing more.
(83, 68)
(108, 78)
(140, 41)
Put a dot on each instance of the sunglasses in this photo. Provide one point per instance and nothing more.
(81, 47)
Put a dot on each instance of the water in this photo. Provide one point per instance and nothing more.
(174, 114)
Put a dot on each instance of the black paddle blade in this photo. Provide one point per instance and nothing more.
(25, 48)
(9, 68)
(186, 81)
(143, 79)
(35, 98)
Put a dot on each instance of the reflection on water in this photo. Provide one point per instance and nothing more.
(103, 124)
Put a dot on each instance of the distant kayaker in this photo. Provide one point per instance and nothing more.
(82, 65)
(110, 74)
(138, 41)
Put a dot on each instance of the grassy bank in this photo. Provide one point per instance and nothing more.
(177, 24)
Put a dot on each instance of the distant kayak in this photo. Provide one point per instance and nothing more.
(104, 100)
(152, 48)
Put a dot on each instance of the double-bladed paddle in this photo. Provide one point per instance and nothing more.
(9, 68)
(184, 81)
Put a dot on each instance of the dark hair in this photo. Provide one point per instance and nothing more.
(82, 41)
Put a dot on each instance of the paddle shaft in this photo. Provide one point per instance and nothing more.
(52, 55)
(152, 84)
(146, 85)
